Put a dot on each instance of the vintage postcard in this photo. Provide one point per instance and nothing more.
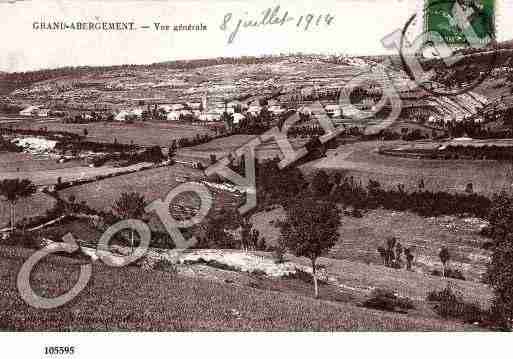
(237, 166)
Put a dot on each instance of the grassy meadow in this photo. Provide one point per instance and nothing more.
(129, 298)
(359, 239)
(141, 133)
(362, 161)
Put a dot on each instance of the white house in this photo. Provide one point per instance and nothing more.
(29, 111)
(238, 117)
(334, 110)
(210, 116)
(166, 108)
(194, 105)
(121, 116)
(276, 110)
(255, 109)
(43, 112)
(173, 116)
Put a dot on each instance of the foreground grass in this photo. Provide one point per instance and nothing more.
(131, 299)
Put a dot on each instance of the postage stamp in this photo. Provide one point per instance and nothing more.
(440, 17)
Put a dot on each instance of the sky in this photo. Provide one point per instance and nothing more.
(357, 29)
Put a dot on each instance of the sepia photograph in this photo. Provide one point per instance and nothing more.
(208, 166)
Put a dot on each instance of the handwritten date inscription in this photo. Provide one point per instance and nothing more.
(273, 17)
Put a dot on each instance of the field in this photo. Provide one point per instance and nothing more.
(362, 161)
(131, 299)
(141, 133)
(152, 184)
(26, 163)
(223, 146)
(49, 176)
(360, 238)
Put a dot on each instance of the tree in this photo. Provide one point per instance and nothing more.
(130, 206)
(13, 190)
(245, 234)
(398, 253)
(213, 158)
(409, 258)
(310, 230)
(171, 152)
(321, 185)
(500, 270)
(221, 227)
(445, 257)
(390, 254)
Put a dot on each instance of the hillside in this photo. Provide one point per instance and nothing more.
(132, 299)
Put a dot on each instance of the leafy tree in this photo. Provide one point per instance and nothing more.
(310, 230)
(445, 257)
(13, 190)
(213, 159)
(408, 253)
(398, 252)
(220, 229)
(390, 253)
(153, 154)
(321, 185)
(130, 206)
(500, 270)
(245, 234)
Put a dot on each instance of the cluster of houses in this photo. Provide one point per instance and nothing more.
(32, 111)
(205, 110)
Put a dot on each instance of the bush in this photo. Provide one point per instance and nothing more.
(21, 239)
(165, 265)
(450, 305)
(449, 273)
(385, 299)
(305, 276)
(278, 254)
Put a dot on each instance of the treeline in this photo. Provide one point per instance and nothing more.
(78, 145)
(459, 152)
(51, 135)
(194, 141)
(275, 186)
(349, 192)
(8, 146)
(493, 152)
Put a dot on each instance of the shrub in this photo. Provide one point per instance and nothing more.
(449, 273)
(278, 254)
(304, 276)
(165, 265)
(385, 299)
(22, 239)
(213, 263)
(450, 305)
